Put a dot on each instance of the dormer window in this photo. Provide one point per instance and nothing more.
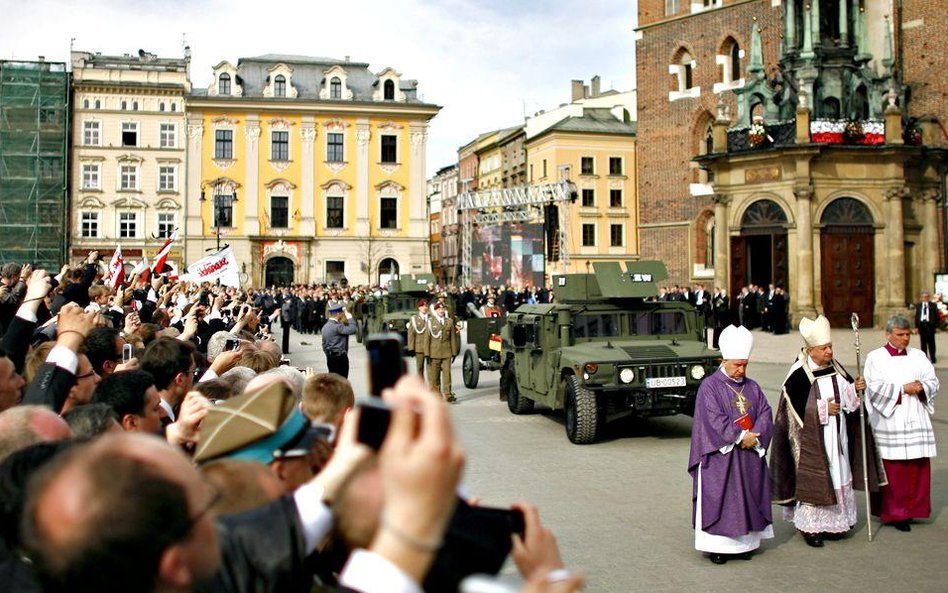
(280, 82)
(389, 90)
(386, 86)
(279, 86)
(223, 84)
(335, 88)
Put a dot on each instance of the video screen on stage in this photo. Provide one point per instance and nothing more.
(509, 254)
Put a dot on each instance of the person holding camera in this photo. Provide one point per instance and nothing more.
(336, 334)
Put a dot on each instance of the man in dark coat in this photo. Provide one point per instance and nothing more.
(926, 322)
(729, 438)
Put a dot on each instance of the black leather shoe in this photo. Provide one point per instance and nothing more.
(743, 556)
(718, 558)
(814, 540)
(902, 526)
(833, 537)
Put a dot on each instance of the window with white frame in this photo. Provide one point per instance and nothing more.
(615, 165)
(586, 166)
(335, 216)
(167, 221)
(90, 176)
(223, 84)
(167, 178)
(279, 86)
(335, 88)
(682, 71)
(616, 237)
(388, 213)
(168, 135)
(129, 133)
(89, 225)
(224, 144)
(128, 175)
(91, 133)
(161, 106)
(279, 146)
(279, 212)
(589, 235)
(128, 225)
(335, 152)
(389, 148)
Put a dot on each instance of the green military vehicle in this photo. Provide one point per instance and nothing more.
(602, 351)
(391, 312)
(484, 348)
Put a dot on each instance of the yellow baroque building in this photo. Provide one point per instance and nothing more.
(590, 142)
(311, 169)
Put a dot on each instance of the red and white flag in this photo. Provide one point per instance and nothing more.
(162, 256)
(142, 269)
(116, 268)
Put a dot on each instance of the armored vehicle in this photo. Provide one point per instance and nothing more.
(391, 312)
(603, 351)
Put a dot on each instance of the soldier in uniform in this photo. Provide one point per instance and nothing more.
(442, 347)
(490, 309)
(418, 336)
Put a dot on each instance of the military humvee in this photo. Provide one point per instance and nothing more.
(391, 312)
(602, 351)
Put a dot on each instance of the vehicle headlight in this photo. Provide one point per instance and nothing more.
(626, 375)
(697, 372)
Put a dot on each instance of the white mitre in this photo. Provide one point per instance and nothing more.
(736, 343)
(815, 332)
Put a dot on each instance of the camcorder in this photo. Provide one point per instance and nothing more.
(478, 539)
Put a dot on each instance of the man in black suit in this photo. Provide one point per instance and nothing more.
(926, 322)
(82, 278)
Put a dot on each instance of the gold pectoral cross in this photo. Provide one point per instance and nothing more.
(740, 402)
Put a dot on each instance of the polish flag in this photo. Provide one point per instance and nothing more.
(163, 253)
(116, 268)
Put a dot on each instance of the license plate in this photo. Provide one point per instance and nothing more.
(660, 382)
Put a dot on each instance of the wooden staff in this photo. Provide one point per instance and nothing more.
(862, 426)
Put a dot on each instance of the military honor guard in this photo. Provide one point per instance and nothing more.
(418, 336)
(732, 429)
(443, 345)
(900, 388)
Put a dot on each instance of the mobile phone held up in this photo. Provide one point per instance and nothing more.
(386, 364)
(231, 344)
(126, 353)
(374, 419)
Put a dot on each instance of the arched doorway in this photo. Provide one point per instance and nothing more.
(846, 248)
(388, 270)
(279, 272)
(759, 253)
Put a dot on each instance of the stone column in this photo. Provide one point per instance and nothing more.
(930, 254)
(362, 189)
(721, 247)
(252, 175)
(895, 246)
(807, 33)
(801, 296)
(308, 182)
(790, 18)
(193, 224)
(844, 23)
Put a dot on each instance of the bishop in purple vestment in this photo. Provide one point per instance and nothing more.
(733, 425)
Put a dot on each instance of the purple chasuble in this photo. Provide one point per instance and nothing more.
(735, 487)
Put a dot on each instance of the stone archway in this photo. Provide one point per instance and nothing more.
(847, 252)
(279, 272)
(759, 253)
(388, 270)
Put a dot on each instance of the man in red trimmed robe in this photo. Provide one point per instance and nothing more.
(901, 390)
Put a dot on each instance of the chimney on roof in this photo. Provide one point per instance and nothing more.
(577, 90)
(42, 58)
(595, 86)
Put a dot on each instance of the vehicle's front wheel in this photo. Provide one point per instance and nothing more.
(470, 367)
(582, 413)
(516, 403)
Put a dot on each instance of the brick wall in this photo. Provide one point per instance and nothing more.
(667, 131)
(924, 59)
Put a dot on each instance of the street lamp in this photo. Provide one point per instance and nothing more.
(221, 202)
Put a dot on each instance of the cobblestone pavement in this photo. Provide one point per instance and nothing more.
(622, 511)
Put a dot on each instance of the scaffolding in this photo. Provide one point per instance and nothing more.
(34, 129)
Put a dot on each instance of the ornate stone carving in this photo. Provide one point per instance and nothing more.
(723, 199)
(928, 194)
(224, 164)
(336, 166)
(195, 130)
(308, 133)
(336, 125)
(281, 166)
(388, 168)
(388, 126)
(363, 135)
(803, 192)
(896, 192)
(224, 121)
(280, 123)
(252, 133)
(418, 138)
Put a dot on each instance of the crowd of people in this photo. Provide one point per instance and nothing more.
(151, 440)
(815, 442)
(753, 306)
